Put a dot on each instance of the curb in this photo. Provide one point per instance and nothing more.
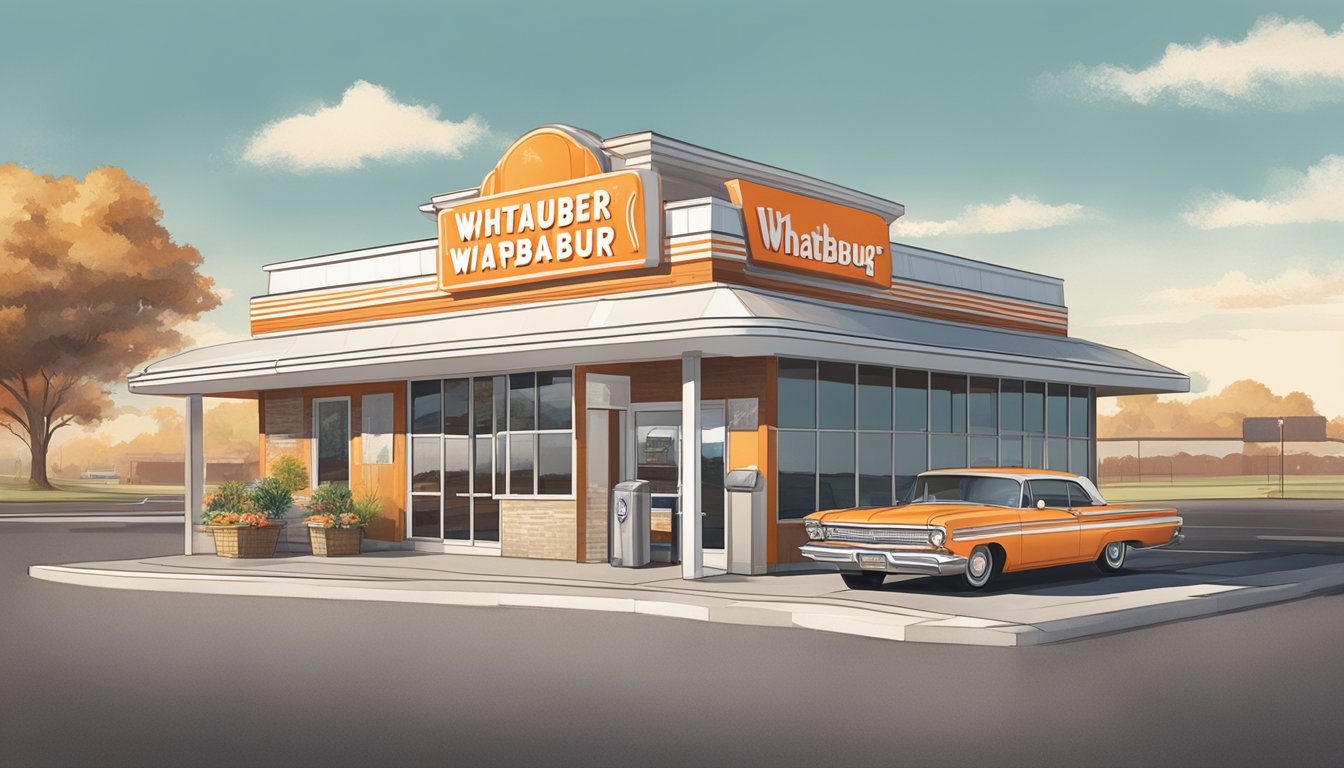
(820, 616)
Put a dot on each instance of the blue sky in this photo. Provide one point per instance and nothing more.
(1150, 186)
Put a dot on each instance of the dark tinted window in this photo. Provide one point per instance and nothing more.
(874, 397)
(1055, 493)
(984, 407)
(912, 400)
(797, 394)
(1079, 497)
(835, 396)
(426, 410)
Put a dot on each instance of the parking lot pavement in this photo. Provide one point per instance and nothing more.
(1030, 608)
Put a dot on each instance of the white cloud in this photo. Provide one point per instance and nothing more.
(1317, 195)
(1235, 290)
(368, 124)
(1277, 61)
(1015, 215)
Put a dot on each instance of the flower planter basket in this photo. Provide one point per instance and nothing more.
(245, 540)
(335, 542)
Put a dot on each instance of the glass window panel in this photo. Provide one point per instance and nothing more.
(333, 442)
(555, 392)
(1055, 493)
(1035, 457)
(911, 459)
(874, 409)
(501, 392)
(1057, 453)
(984, 405)
(1078, 458)
(483, 471)
(1056, 409)
(1080, 421)
(712, 470)
(1010, 406)
(1034, 408)
(797, 393)
(456, 469)
(1079, 497)
(1010, 451)
(522, 401)
(457, 518)
(947, 451)
(984, 452)
(426, 411)
(554, 469)
(456, 403)
(875, 469)
(797, 474)
(835, 458)
(425, 516)
(426, 468)
(375, 433)
(947, 403)
(912, 400)
(486, 516)
(522, 461)
(483, 406)
(835, 396)
(501, 463)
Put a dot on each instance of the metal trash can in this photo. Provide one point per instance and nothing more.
(745, 543)
(630, 513)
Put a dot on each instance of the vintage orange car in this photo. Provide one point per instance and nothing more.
(976, 523)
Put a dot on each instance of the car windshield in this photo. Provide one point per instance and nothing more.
(969, 489)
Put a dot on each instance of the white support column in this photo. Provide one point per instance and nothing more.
(692, 559)
(194, 465)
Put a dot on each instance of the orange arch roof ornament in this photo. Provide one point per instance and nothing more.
(546, 155)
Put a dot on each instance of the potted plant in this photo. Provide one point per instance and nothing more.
(246, 521)
(336, 519)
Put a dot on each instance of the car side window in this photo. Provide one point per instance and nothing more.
(1079, 497)
(1055, 493)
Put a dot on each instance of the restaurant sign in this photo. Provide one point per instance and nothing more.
(804, 235)
(585, 227)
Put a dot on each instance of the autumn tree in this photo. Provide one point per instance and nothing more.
(91, 283)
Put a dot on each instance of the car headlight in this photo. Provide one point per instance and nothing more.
(813, 529)
(937, 536)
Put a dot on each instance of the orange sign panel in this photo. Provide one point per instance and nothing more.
(590, 226)
(813, 237)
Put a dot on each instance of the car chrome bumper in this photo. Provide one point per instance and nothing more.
(1176, 538)
(919, 563)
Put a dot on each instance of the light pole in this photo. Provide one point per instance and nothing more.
(1280, 458)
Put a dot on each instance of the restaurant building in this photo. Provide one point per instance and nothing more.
(640, 307)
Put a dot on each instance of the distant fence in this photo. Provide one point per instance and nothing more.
(1148, 459)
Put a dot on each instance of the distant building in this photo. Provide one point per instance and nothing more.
(169, 469)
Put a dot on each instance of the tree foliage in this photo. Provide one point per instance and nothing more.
(91, 284)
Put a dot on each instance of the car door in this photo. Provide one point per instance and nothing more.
(1051, 534)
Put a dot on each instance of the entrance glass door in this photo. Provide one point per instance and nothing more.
(657, 455)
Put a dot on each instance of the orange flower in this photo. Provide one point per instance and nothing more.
(326, 521)
(253, 519)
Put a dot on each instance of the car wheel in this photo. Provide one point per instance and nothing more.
(863, 580)
(980, 567)
(1113, 557)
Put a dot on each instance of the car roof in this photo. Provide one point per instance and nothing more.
(1017, 472)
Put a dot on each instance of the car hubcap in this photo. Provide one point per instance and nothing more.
(978, 565)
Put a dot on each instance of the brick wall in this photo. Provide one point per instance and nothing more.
(542, 529)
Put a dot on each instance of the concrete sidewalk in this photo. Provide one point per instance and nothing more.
(920, 610)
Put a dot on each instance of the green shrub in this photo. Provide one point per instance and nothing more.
(367, 507)
(331, 499)
(230, 498)
(290, 471)
(272, 498)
